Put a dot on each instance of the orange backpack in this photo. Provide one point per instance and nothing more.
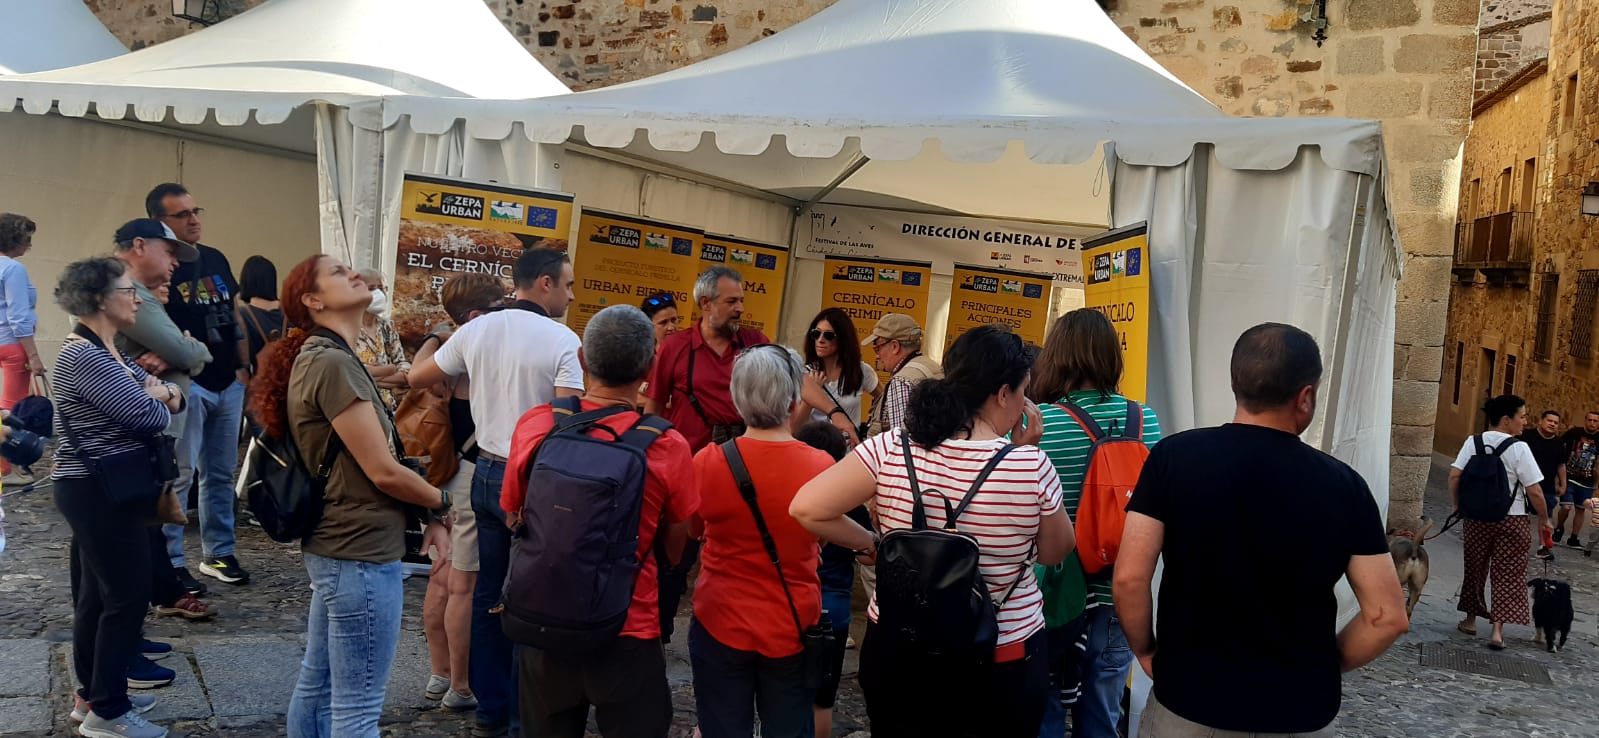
(1114, 463)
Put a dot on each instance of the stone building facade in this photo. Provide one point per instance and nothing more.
(1409, 63)
(1545, 312)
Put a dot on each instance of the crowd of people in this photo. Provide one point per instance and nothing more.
(596, 474)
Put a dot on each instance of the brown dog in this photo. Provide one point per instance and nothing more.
(1411, 561)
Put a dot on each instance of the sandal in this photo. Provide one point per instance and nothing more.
(187, 607)
(1468, 630)
(1496, 645)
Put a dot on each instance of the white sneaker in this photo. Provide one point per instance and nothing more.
(456, 702)
(436, 688)
(129, 725)
(142, 703)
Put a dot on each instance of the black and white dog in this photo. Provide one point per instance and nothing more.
(1551, 611)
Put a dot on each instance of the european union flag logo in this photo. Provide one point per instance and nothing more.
(765, 261)
(541, 217)
(912, 279)
(682, 247)
(1033, 291)
(1135, 262)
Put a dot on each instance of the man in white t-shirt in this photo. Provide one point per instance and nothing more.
(1500, 548)
(517, 358)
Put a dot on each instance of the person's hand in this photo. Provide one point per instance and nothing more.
(437, 536)
(513, 520)
(36, 365)
(156, 389)
(1033, 432)
(242, 375)
(152, 364)
(1148, 664)
(1548, 524)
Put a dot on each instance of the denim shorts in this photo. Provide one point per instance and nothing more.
(1576, 494)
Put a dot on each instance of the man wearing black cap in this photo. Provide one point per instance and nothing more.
(202, 303)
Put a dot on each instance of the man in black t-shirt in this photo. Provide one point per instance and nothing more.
(1247, 613)
(1550, 451)
(202, 303)
(1582, 456)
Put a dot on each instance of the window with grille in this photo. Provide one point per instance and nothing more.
(1548, 298)
(1582, 314)
(1460, 358)
(1510, 374)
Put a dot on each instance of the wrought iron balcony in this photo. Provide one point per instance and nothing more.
(1499, 246)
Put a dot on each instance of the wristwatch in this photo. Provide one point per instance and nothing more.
(172, 394)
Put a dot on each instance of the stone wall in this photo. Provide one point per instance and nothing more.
(1506, 48)
(1408, 63)
(1486, 317)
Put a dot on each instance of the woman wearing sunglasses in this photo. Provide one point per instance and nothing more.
(661, 309)
(837, 376)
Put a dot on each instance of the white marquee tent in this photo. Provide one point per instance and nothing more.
(1012, 108)
(239, 112)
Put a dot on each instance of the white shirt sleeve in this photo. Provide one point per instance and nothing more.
(568, 370)
(449, 357)
(1522, 463)
(868, 378)
(1467, 450)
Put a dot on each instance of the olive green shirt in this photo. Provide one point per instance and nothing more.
(359, 522)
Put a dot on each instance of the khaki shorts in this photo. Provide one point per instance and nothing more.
(463, 523)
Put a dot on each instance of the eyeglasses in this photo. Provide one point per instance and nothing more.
(130, 291)
(878, 344)
(660, 301)
(824, 335)
(186, 214)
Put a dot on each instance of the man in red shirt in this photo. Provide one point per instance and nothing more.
(625, 681)
(689, 385)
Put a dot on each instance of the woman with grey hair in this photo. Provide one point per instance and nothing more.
(107, 409)
(745, 643)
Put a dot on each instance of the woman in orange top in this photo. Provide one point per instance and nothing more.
(744, 643)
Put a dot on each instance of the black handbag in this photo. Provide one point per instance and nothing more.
(818, 641)
(131, 477)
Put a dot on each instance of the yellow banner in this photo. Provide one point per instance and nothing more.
(451, 226)
(868, 289)
(764, 268)
(984, 296)
(1116, 276)
(622, 259)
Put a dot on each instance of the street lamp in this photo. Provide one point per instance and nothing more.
(204, 12)
(1590, 199)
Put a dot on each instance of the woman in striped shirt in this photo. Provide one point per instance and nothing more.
(113, 407)
(956, 425)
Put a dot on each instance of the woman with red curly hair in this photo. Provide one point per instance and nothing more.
(312, 387)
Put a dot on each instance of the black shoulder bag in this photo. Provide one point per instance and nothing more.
(818, 641)
(131, 477)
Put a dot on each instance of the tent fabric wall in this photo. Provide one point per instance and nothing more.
(80, 179)
(1231, 249)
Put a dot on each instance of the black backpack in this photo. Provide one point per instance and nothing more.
(931, 596)
(283, 492)
(1486, 492)
(574, 559)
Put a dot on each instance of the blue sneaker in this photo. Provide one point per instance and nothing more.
(155, 650)
(147, 674)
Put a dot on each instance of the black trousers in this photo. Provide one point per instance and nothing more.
(672, 580)
(112, 571)
(625, 683)
(911, 694)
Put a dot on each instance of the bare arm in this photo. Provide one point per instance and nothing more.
(363, 437)
(1454, 489)
(651, 407)
(568, 392)
(1382, 610)
(1539, 505)
(1560, 480)
(676, 538)
(821, 504)
(1133, 579)
(426, 373)
(1056, 538)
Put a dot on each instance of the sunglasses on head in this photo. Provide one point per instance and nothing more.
(660, 301)
(828, 335)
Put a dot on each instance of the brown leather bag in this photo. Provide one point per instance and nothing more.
(423, 424)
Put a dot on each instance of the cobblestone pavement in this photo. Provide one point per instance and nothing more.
(235, 673)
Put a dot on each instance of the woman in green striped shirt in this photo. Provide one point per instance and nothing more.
(1081, 365)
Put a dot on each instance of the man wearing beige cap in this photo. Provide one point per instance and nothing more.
(897, 341)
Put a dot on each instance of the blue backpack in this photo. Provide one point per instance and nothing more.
(574, 559)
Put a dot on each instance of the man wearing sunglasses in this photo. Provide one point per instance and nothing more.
(202, 303)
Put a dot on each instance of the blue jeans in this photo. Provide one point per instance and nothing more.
(350, 639)
(209, 446)
(493, 671)
(1105, 666)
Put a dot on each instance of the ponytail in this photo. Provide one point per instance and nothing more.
(980, 363)
(269, 391)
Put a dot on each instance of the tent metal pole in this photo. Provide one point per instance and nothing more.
(630, 160)
(861, 160)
